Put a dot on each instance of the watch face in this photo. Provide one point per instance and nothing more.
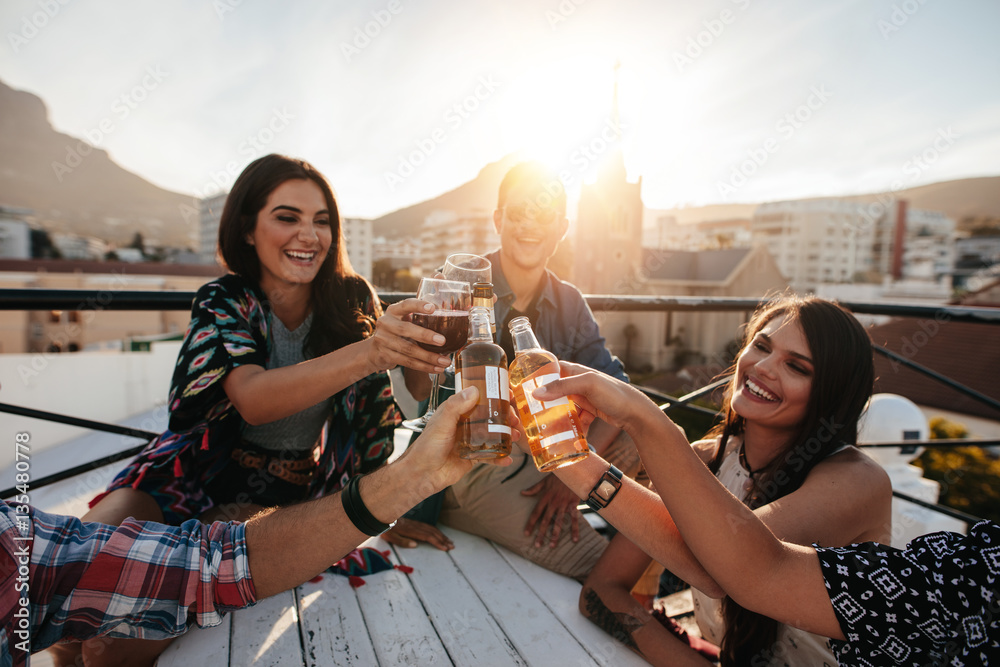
(606, 489)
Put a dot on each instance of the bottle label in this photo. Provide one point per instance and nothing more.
(558, 437)
(497, 383)
(540, 378)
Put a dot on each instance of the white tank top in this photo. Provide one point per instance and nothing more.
(794, 647)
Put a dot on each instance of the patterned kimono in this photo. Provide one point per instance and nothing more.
(228, 329)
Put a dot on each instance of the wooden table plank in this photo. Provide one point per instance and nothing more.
(398, 625)
(464, 624)
(210, 645)
(536, 633)
(561, 595)
(267, 634)
(333, 628)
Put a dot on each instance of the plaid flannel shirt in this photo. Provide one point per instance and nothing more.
(140, 580)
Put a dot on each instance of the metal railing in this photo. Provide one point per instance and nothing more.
(82, 300)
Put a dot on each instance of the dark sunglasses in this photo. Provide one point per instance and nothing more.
(529, 212)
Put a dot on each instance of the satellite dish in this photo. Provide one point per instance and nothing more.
(892, 418)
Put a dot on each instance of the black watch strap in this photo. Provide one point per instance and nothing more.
(605, 489)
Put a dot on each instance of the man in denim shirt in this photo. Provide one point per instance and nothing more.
(519, 507)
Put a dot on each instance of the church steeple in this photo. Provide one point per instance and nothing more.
(613, 169)
(609, 220)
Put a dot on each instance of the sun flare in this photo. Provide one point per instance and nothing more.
(555, 112)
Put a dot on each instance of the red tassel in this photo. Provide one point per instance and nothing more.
(356, 582)
(178, 470)
(405, 569)
(97, 499)
(387, 554)
(204, 440)
(315, 580)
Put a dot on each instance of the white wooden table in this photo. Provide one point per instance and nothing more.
(478, 604)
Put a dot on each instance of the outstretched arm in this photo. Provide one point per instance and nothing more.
(290, 545)
(730, 542)
(262, 396)
(197, 571)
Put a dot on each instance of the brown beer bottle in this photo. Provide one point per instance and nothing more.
(482, 295)
(553, 428)
(484, 431)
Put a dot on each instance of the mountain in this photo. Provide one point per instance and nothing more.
(479, 194)
(972, 200)
(962, 200)
(75, 187)
(692, 214)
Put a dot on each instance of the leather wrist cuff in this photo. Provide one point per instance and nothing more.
(358, 513)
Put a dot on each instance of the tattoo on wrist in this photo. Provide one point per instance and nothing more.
(620, 625)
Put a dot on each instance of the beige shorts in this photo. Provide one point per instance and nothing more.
(483, 504)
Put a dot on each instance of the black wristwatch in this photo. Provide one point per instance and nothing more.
(605, 489)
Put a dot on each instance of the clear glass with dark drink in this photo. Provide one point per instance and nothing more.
(450, 318)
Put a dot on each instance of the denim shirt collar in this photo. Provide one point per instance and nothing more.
(505, 295)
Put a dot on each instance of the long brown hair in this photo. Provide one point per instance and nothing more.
(338, 293)
(843, 379)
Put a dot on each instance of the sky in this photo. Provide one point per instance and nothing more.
(397, 101)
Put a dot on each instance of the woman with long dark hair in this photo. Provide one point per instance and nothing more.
(280, 392)
(786, 449)
(935, 602)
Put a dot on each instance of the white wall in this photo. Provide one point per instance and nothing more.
(101, 386)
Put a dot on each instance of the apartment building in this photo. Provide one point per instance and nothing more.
(208, 227)
(823, 241)
(358, 239)
(446, 232)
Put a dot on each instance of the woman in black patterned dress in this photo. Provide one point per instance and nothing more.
(785, 446)
(936, 602)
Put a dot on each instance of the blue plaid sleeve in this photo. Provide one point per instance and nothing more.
(141, 580)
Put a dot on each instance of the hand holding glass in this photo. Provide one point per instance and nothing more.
(450, 318)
